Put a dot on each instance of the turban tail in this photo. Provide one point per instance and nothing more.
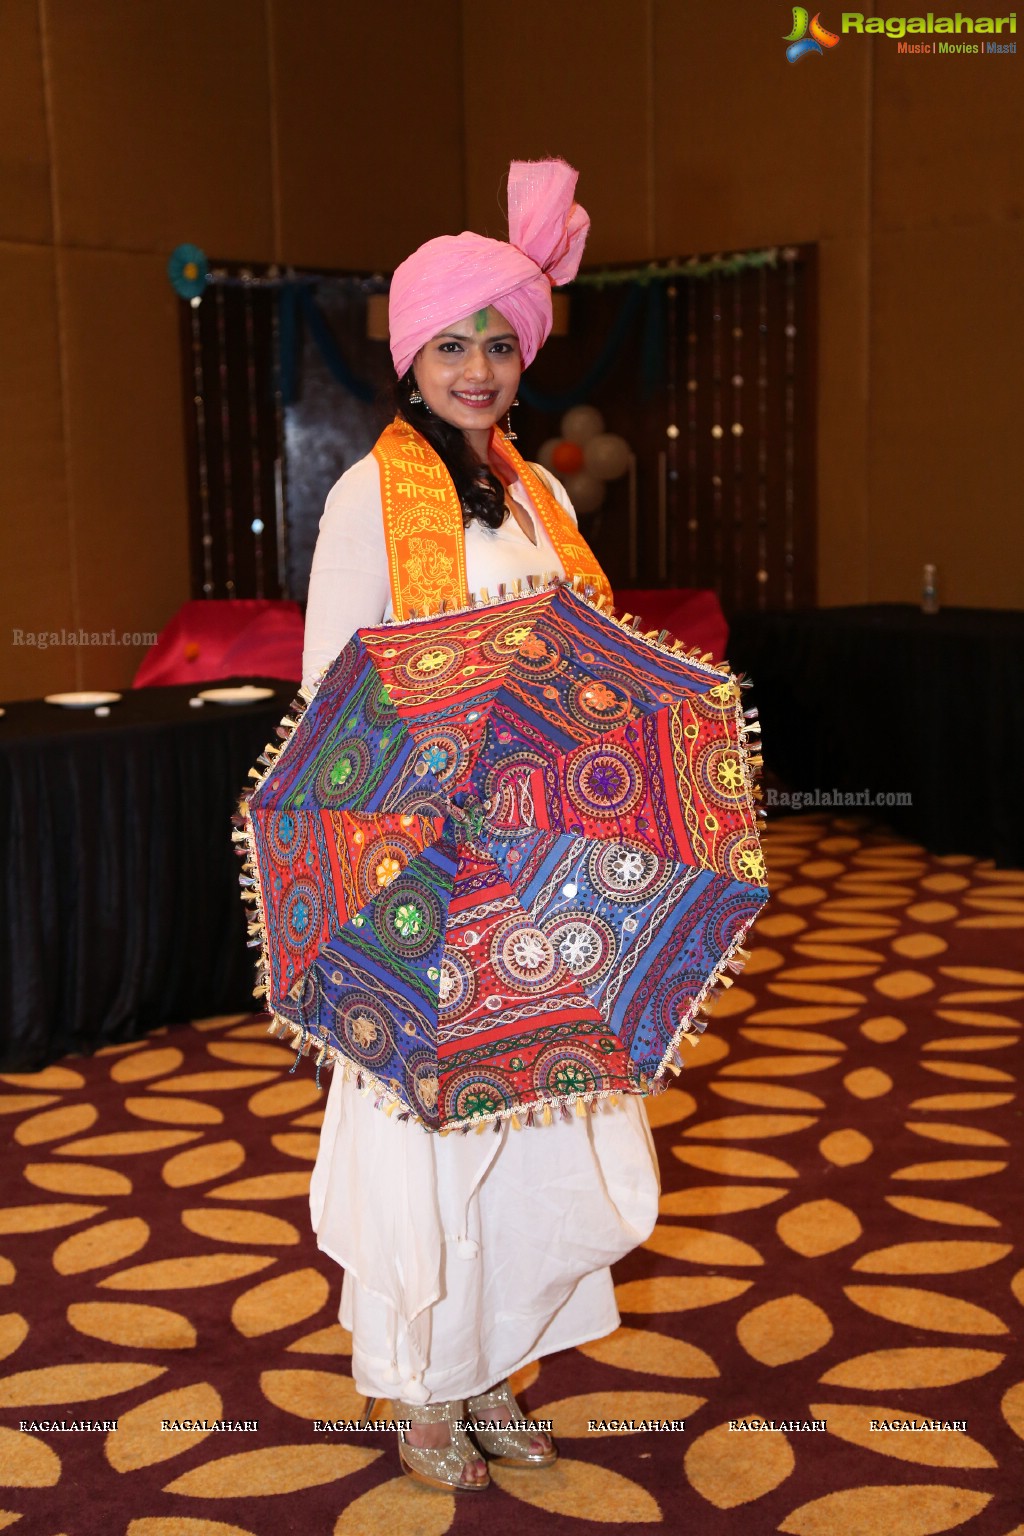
(456, 275)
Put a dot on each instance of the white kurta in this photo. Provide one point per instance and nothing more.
(465, 1257)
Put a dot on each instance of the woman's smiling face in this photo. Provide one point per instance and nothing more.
(469, 373)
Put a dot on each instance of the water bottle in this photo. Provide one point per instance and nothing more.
(929, 591)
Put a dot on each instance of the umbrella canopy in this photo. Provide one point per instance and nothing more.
(503, 857)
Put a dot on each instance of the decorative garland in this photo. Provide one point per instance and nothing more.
(190, 275)
(659, 272)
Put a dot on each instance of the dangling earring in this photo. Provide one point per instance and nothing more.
(415, 398)
(512, 436)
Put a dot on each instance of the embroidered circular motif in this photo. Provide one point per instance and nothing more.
(562, 1071)
(743, 858)
(523, 955)
(604, 781)
(456, 987)
(537, 657)
(382, 860)
(631, 684)
(416, 801)
(628, 871)
(476, 1091)
(585, 942)
(377, 706)
(718, 701)
(408, 918)
(726, 923)
(363, 1028)
(720, 774)
(306, 992)
(505, 787)
(429, 663)
(446, 754)
(338, 677)
(343, 773)
(597, 704)
(671, 1004)
(286, 835)
(301, 913)
(419, 1072)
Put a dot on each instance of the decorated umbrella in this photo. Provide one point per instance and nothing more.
(502, 859)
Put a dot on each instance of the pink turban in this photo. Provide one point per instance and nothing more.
(456, 275)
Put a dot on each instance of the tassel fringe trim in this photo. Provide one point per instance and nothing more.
(483, 597)
(541, 1112)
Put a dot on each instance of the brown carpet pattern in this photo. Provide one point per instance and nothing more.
(840, 1240)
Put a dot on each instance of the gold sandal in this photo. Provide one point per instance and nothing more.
(508, 1447)
(435, 1466)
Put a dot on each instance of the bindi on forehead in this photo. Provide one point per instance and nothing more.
(480, 320)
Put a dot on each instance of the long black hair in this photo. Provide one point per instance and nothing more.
(480, 491)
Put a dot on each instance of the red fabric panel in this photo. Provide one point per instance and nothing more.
(210, 639)
(691, 614)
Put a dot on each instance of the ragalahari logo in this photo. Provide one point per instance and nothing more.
(807, 36)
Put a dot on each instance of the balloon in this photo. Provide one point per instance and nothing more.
(567, 458)
(585, 493)
(546, 452)
(607, 456)
(582, 423)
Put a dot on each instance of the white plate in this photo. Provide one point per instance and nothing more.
(248, 694)
(81, 700)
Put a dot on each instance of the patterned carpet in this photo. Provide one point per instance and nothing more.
(842, 1191)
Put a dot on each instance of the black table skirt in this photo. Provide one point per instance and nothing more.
(120, 885)
(889, 699)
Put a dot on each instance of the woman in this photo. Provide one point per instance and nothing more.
(465, 1257)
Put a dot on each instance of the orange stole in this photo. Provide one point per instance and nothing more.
(423, 528)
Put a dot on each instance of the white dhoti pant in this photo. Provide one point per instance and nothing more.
(466, 1257)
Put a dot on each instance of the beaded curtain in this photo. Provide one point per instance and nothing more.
(707, 372)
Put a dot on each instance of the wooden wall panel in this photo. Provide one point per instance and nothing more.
(843, 370)
(162, 125)
(24, 153)
(750, 150)
(323, 132)
(35, 554)
(949, 141)
(556, 78)
(947, 340)
(369, 130)
(126, 463)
